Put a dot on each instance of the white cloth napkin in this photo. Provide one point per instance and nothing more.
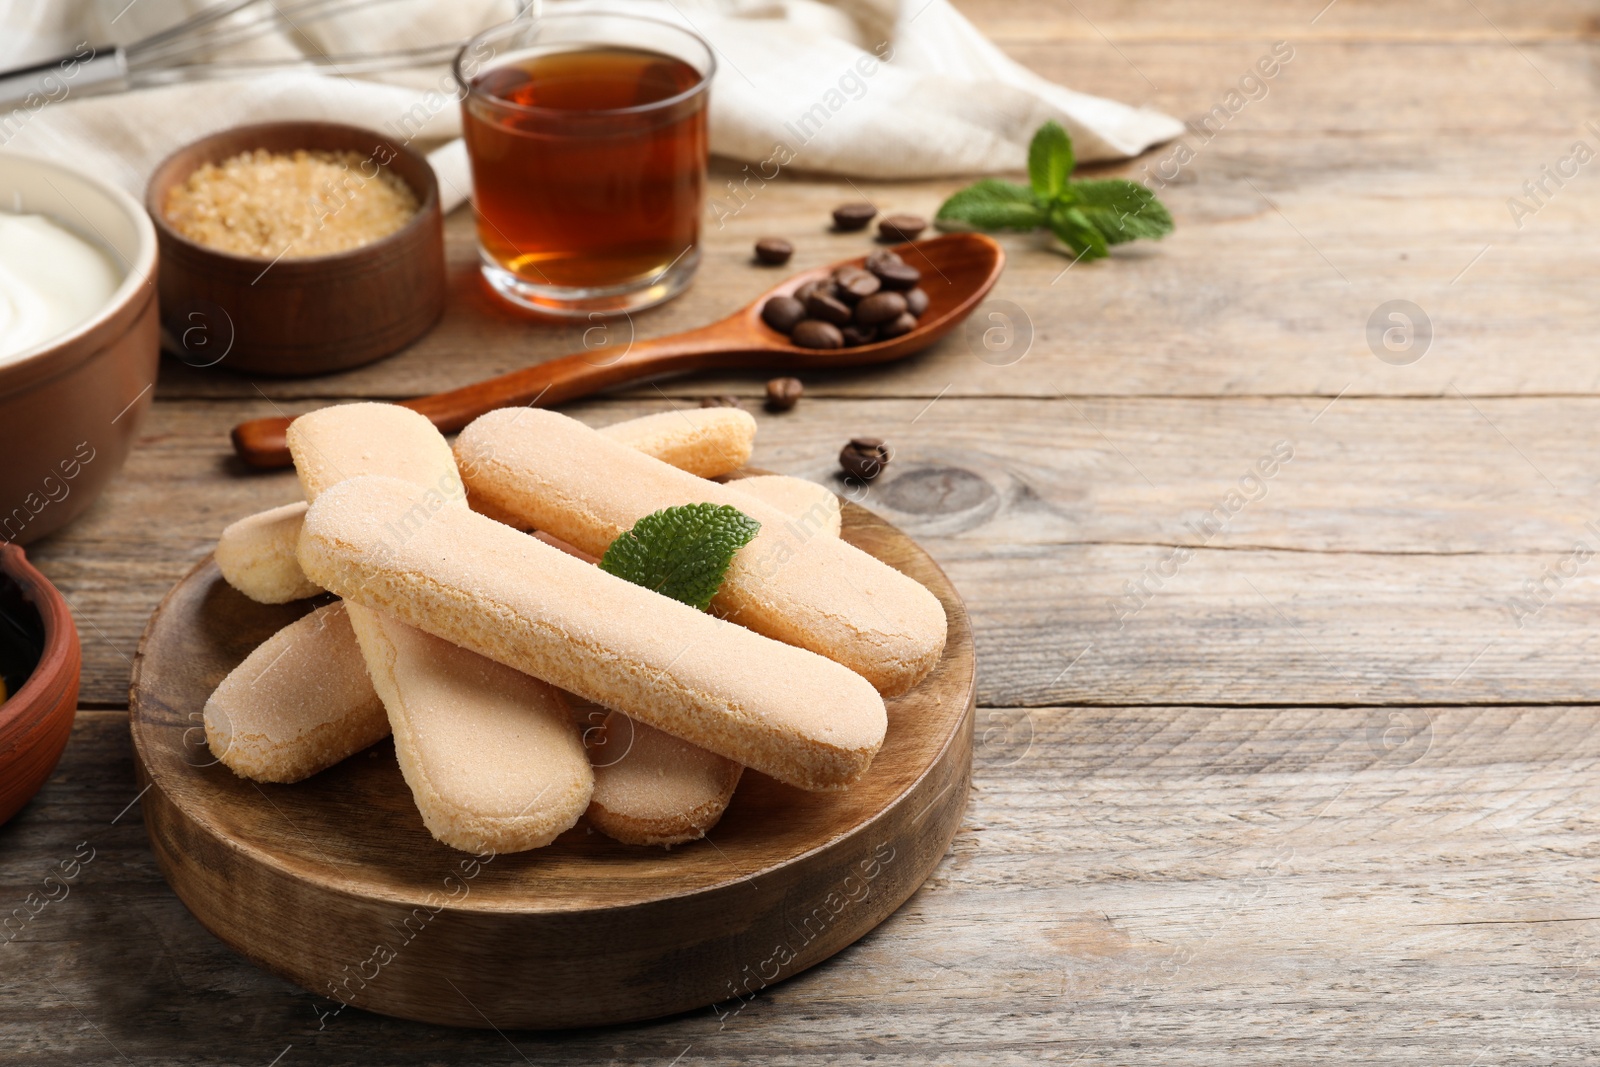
(886, 89)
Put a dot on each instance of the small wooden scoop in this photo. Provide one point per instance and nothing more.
(958, 270)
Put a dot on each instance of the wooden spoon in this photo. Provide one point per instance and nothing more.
(958, 270)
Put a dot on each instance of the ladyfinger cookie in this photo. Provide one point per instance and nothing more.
(489, 753)
(324, 724)
(298, 704)
(525, 777)
(349, 440)
(651, 788)
(792, 582)
(396, 548)
(798, 498)
(709, 442)
(256, 556)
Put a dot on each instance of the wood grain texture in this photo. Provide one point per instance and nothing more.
(335, 883)
(1103, 22)
(1207, 856)
(1182, 885)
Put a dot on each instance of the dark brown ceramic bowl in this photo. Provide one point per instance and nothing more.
(309, 315)
(39, 642)
(71, 407)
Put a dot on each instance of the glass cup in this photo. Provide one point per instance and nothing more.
(587, 138)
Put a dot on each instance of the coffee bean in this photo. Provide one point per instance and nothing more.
(774, 251)
(917, 301)
(901, 227)
(880, 307)
(814, 333)
(895, 273)
(857, 334)
(720, 402)
(895, 327)
(782, 312)
(783, 393)
(881, 258)
(850, 217)
(864, 458)
(828, 309)
(824, 286)
(853, 283)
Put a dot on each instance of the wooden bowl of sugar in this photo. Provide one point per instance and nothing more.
(296, 248)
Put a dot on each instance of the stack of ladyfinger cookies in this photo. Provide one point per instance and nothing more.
(470, 614)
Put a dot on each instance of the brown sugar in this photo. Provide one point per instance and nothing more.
(290, 205)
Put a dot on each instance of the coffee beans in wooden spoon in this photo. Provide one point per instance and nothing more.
(815, 333)
(892, 271)
(782, 313)
(855, 306)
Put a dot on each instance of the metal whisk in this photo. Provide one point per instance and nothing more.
(189, 51)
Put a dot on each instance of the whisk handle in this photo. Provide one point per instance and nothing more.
(86, 71)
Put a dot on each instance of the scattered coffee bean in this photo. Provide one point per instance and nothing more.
(850, 217)
(720, 402)
(857, 334)
(782, 312)
(901, 227)
(917, 301)
(783, 393)
(829, 309)
(853, 283)
(774, 251)
(880, 307)
(864, 458)
(897, 326)
(893, 272)
(814, 333)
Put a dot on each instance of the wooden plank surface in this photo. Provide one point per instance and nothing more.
(1172, 885)
(1320, 787)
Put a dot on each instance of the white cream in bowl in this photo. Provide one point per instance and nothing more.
(51, 281)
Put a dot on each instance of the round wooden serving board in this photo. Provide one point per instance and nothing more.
(335, 884)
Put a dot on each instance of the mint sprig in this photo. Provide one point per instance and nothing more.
(681, 552)
(1088, 216)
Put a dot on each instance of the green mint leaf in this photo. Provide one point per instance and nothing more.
(1122, 210)
(1050, 161)
(992, 205)
(681, 552)
(1077, 232)
(1088, 216)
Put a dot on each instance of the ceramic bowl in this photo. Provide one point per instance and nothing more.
(39, 649)
(70, 407)
(300, 315)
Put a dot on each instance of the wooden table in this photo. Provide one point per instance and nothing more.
(1300, 782)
